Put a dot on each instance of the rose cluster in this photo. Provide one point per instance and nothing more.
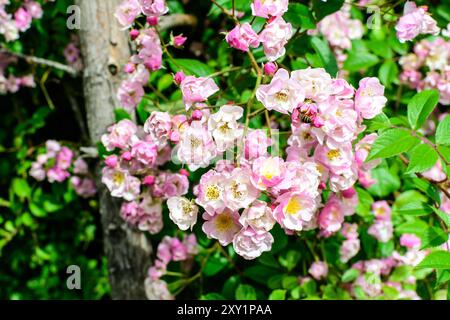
(58, 164)
(20, 21)
(149, 53)
(340, 29)
(428, 67)
(274, 36)
(415, 21)
(169, 249)
(327, 117)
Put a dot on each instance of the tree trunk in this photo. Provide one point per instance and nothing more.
(105, 50)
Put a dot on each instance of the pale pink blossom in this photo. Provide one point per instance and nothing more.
(295, 209)
(410, 241)
(267, 172)
(258, 216)
(256, 143)
(119, 135)
(182, 212)
(239, 190)
(274, 37)
(197, 90)
(121, 184)
(242, 37)
(283, 94)
(196, 147)
(224, 126)
(159, 126)
(318, 270)
(369, 98)
(157, 290)
(210, 192)
(250, 244)
(222, 226)
(153, 8)
(415, 21)
(316, 83)
(269, 8)
(127, 12)
(331, 216)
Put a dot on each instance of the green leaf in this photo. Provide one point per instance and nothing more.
(388, 72)
(358, 60)
(445, 217)
(21, 188)
(245, 292)
(381, 121)
(325, 54)
(421, 106)
(433, 237)
(436, 260)
(165, 82)
(192, 67)
(415, 208)
(364, 203)
(212, 296)
(417, 227)
(428, 188)
(387, 181)
(391, 143)
(322, 9)
(443, 132)
(300, 16)
(259, 274)
(422, 158)
(278, 295)
(290, 260)
(214, 265)
(121, 114)
(350, 275)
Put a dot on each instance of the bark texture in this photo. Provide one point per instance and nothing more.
(105, 50)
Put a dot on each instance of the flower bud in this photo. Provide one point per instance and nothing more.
(270, 68)
(134, 34)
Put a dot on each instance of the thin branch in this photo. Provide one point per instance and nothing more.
(177, 20)
(44, 62)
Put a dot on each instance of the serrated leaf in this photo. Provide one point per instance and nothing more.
(443, 132)
(422, 158)
(380, 121)
(421, 106)
(444, 216)
(415, 208)
(391, 143)
(433, 237)
(417, 227)
(436, 260)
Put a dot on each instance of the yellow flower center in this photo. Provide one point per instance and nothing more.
(293, 206)
(187, 207)
(333, 154)
(118, 178)
(212, 192)
(224, 222)
(282, 96)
